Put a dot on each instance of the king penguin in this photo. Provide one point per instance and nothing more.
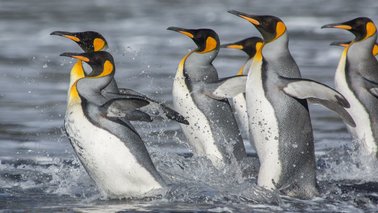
(279, 118)
(239, 103)
(347, 43)
(109, 148)
(91, 41)
(357, 79)
(212, 131)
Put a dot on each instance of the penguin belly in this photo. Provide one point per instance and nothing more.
(282, 133)
(364, 129)
(263, 129)
(107, 160)
(198, 133)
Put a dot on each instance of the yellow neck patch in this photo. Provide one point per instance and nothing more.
(280, 29)
(77, 73)
(74, 94)
(108, 69)
(73, 38)
(235, 46)
(258, 55)
(182, 62)
(370, 29)
(98, 44)
(211, 44)
(252, 20)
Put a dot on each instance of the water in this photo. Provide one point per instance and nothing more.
(38, 169)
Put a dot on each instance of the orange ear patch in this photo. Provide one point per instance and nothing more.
(108, 69)
(375, 50)
(280, 29)
(98, 44)
(211, 44)
(370, 29)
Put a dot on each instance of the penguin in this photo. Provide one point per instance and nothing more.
(347, 43)
(212, 131)
(110, 149)
(357, 79)
(91, 41)
(279, 118)
(239, 103)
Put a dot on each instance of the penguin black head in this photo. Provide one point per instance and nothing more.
(270, 27)
(248, 45)
(361, 27)
(207, 40)
(89, 41)
(101, 62)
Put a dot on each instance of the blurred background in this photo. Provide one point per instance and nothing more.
(34, 79)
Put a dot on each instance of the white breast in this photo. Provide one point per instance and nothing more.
(198, 132)
(363, 130)
(263, 128)
(108, 161)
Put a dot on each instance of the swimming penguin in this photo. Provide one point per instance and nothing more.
(108, 146)
(213, 131)
(91, 41)
(357, 79)
(239, 103)
(278, 114)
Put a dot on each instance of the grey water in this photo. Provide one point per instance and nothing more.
(38, 168)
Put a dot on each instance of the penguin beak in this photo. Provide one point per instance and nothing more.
(251, 18)
(232, 46)
(338, 26)
(66, 35)
(76, 55)
(341, 43)
(183, 31)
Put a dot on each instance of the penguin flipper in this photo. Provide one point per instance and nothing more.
(152, 108)
(127, 108)
(138, 115)
(227, 87)
(374, 91)
(125, 91)
(319, 93)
